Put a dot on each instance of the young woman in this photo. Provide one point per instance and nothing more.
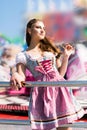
(50, 107)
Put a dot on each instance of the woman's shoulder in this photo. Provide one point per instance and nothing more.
(21, 57)
(21, 53)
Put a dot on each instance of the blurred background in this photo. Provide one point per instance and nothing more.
(58, 15)
(65, 20)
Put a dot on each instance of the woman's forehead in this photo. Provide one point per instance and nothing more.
(39, 23)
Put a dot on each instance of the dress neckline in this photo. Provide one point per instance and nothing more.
(39, 58)
(33, 57)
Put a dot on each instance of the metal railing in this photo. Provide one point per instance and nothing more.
(73, 83)
(51, 83)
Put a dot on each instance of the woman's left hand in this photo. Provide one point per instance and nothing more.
(69, 49)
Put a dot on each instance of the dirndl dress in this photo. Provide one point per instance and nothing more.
(49, 107)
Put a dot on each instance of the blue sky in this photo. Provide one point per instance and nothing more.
(13, 12)
(11, 16)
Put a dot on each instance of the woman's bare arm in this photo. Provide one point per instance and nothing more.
(68, 50)
(18, 76)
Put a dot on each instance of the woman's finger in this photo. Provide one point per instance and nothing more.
(14, 85)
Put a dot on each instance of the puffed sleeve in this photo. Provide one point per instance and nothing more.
(21, 58)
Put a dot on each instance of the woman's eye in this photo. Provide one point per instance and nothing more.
(38, 27)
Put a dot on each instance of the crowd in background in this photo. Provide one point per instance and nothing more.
(7, 61)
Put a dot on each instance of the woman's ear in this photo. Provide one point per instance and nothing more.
(29, 31)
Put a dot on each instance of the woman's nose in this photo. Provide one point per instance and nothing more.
(42, 31)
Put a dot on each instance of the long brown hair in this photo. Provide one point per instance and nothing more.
(46, 44)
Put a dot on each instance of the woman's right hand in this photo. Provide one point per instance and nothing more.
(16, 80)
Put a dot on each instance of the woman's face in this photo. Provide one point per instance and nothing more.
(37, 31)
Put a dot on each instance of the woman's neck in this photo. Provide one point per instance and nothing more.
(34, 44)
(35, 50)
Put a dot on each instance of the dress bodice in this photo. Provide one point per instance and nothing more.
(32, 62)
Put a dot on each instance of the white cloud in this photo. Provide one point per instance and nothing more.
(65, 6)
(52, 5)
(30, 5)
(41, 6)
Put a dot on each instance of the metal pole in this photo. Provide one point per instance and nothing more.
(51, 83)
